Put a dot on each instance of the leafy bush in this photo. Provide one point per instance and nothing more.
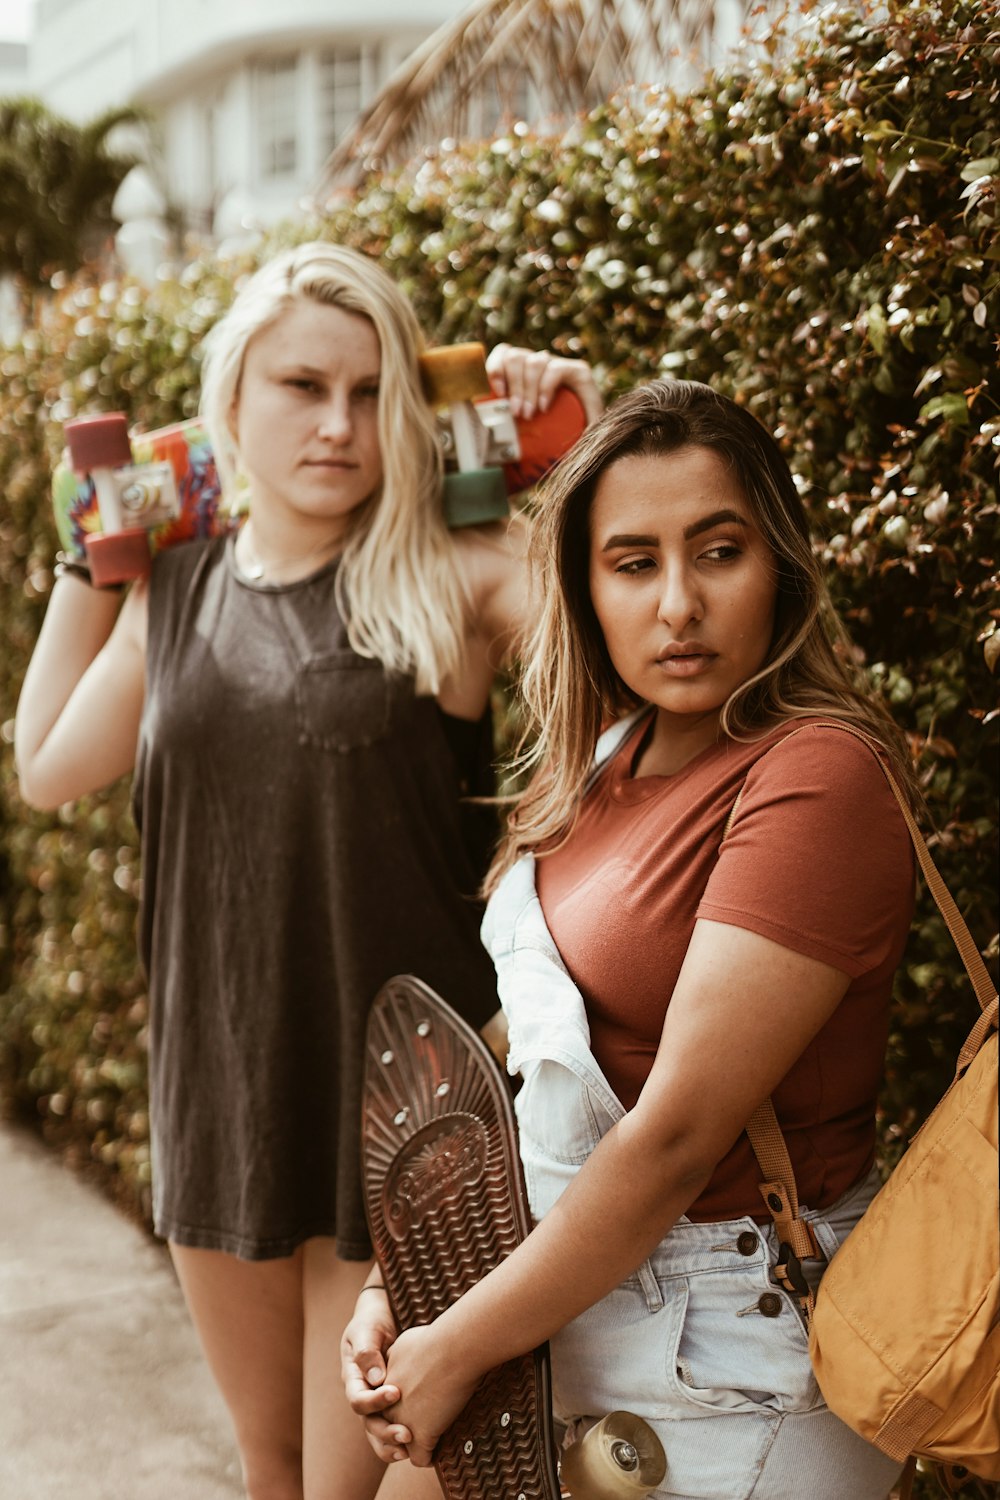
(819, 240)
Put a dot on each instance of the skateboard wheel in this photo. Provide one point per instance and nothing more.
(618, 1458)
(100, 442)
(454, 373)
(117, 557)
(475, 497)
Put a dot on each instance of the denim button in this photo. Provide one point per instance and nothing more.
(769, 1304)
(747, 1243)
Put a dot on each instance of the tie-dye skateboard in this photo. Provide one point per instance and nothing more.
(118, 501)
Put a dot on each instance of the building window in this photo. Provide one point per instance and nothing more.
(341, 94)
(277, 116)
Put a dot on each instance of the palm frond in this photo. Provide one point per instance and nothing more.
(574, 53)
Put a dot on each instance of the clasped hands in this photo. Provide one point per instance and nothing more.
(407, 1387)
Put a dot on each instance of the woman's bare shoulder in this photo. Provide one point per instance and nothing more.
(492, 563)
(496, 548)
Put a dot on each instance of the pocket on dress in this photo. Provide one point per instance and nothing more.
(730, 1356)
(344, 701)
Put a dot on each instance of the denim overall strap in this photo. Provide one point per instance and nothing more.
(548, 1025)
(545, 1011)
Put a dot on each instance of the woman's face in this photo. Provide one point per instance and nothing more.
(306, 415)
(682, 582)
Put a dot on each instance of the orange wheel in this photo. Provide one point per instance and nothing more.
(454, 373)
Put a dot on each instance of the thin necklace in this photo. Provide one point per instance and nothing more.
(255, 567)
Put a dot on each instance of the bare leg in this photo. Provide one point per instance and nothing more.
(338, 1464)
(248, 1316)
(403, 1482)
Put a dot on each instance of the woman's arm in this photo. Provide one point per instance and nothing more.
(364, 1349)
(78, 716)
(493, 558)
(743, 1011)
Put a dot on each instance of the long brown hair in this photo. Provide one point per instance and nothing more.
(569, 686)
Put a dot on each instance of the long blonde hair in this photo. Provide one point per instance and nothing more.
(398, 586)
(570, 688)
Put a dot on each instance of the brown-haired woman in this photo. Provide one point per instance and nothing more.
(666, 964)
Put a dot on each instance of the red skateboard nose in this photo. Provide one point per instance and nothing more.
(544, 439)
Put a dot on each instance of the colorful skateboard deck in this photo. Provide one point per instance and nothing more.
(197, 513)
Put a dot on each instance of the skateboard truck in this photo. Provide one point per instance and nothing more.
(131, 499)
(491, 454)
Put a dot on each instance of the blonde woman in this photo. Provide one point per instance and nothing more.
(304, 705)
(663, 974)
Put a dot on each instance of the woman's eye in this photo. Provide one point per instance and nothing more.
(632, 565)
(368, 392)
(723, 552)
(301, 383)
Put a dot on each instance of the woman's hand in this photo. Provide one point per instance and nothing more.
(435, 1382)
(529, 380)
(364, 1348)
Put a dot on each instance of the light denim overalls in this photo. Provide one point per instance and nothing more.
(683, 1342)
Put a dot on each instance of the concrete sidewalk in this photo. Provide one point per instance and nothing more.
(103, 1392)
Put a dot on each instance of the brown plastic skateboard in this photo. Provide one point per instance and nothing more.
(445, 1202)
(445, 1199)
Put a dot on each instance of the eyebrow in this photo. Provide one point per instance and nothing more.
(639, 539)
(299, 367)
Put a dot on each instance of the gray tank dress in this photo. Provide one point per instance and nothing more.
(303, 840)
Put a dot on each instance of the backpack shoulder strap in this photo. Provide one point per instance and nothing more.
(778, 1189)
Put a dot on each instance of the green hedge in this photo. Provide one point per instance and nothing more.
(818, 239)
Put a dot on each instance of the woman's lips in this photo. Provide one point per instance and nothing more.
(686, 665)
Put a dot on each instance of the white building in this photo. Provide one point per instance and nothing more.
(250, 96)
(13, 68)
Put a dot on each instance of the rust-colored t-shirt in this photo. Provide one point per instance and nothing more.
(818, 859)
